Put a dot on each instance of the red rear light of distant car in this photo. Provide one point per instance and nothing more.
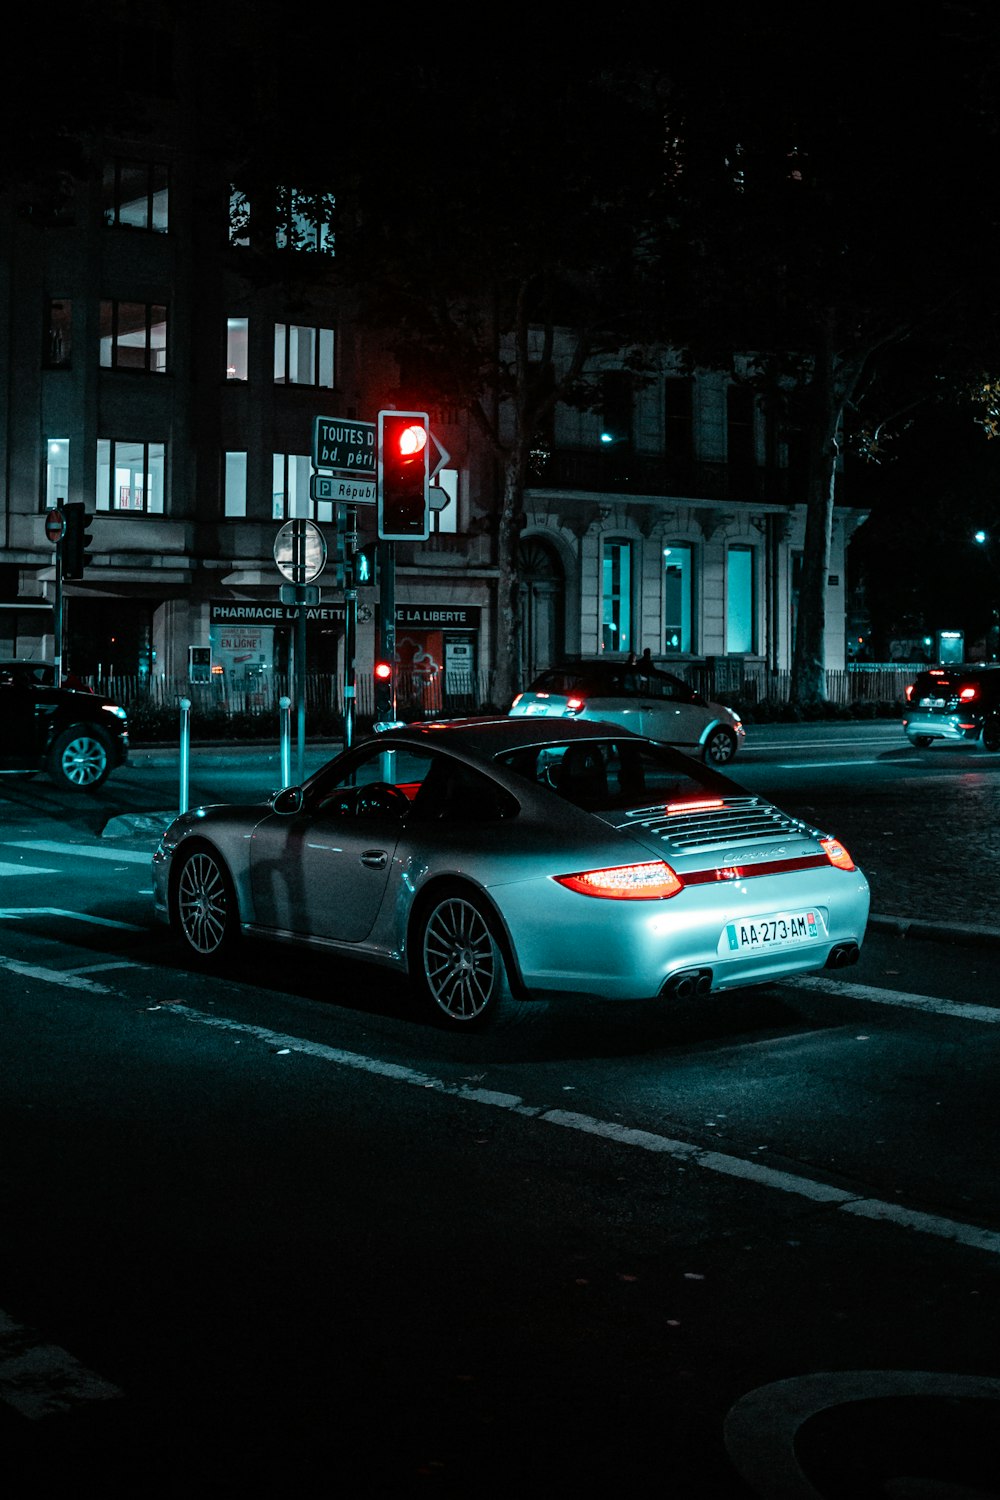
(968, 693)
(909, 691)
(647, 882)
(517, 700)
(574, 705)
(837, 854)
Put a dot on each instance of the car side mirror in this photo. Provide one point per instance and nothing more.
(287, 801)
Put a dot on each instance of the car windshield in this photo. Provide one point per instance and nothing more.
(606, 774)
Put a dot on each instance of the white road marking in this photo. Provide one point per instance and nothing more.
(84, 851)
(987, 1015)
(953, 1231)
(78, 916)
(54, 976)
(40, 1379)
(6, 869)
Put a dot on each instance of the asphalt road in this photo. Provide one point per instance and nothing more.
(267, 1232)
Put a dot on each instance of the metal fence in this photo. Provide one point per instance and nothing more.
(748, 684)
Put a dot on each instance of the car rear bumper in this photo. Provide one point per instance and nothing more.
(939, 725)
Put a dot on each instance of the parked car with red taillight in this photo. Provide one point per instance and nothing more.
(957, 704)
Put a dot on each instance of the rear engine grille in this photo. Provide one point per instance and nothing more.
(738, 820)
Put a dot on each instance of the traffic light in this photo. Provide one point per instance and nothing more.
(385, 692)
(77, 540)
(366, 566)
(403, 470)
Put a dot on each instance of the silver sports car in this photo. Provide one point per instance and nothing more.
(489, 858)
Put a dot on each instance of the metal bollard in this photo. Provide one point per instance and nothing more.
(185, 751)
(285, 739)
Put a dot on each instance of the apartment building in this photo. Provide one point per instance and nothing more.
(148, 371)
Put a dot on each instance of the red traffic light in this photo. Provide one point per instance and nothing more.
(411, 440)
(403, 476)
(383, 671)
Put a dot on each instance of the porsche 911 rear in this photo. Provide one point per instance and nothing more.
(721, 893)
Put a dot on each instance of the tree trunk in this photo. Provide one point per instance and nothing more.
(504, 681)
(834, 381)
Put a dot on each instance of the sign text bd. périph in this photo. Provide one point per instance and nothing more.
(342, 444)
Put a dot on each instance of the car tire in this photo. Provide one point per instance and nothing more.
(920, 741)
(203, 907)
(80, 760)
(720, 747)
(991, 734)
(457, 965)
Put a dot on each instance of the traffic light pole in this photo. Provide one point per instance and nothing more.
(387, 610)
(351, 621)
(299, 574)
(57, 626)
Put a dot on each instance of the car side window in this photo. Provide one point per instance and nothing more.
(454, 793)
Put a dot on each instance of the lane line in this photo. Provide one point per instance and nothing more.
(68, 979)
(77, 916)
(987, 1015)
(952, 1231)
(82, 851)
(7, 870)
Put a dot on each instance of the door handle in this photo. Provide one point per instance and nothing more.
(374, 858)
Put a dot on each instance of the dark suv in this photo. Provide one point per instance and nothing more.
(954, 703)
(77, 737)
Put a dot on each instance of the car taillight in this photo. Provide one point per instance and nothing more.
(574, 705)
(837, 854)
(909, 692)
(968, 693)
(647, 882)
(517, 700)
(672, 808)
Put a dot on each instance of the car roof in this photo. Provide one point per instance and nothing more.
(488, 736)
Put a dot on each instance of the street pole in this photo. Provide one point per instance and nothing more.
(58, 614)
(351, 622)
(298, 575)
(387, 610)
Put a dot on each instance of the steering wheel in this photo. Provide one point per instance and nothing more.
(381, 797)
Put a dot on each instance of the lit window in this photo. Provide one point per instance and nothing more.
(234, 482)
(616, 597)
(134, 336)
(304, 220)
(135, 195)
(739, 600)
(56, 471)
(290, 499)
(677, 612)
(237, 344)
(130, 476)
(239, 218)
(303, 356)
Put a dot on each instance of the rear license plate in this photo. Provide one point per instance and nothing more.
(782, 931)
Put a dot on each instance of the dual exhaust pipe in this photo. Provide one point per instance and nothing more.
(690, 983)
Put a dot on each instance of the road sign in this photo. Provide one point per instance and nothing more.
(300, 551)
(55, 525)
(343, 445)
(343, 489)
(437, 498)
(443, 457)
